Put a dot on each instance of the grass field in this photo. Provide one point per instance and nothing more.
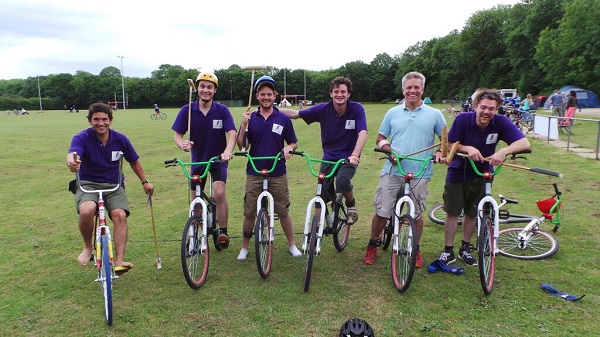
(44, 292)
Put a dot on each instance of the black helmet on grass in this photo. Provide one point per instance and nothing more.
(356, 327)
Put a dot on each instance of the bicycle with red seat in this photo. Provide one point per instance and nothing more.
(102, 246)
(331, 221)
(488, 219)
(194, 241)
(401, 229)
(264, 226)
(529, 242)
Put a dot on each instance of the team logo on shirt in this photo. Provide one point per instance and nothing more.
(116, 155)
(278, 129)
(492, 138)
(217, 124)
(350, 124)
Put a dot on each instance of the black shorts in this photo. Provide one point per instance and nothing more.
(463, 196)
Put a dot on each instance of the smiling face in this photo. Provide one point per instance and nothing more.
(206, 90)
(485, 110)
(413, 90)
(266, 97)
(340, 94)
(101, 122)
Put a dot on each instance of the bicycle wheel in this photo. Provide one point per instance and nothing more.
(105, 277)
(213, 224)
(486, 254)
(438, 215)
(194, 260)
(404, 256)
(153, 117)
(311, 252)
(341, 230)
(540, 244)
(386, 233)
(163, 116)
(262, 243)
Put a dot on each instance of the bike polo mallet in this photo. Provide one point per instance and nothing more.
(158, 260)
(192, 91)
(253, 68)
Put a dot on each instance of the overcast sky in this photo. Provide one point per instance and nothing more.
(42, 37)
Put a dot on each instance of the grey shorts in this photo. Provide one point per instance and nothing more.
(463, 196)
(112, 200)
(390, 186)
(278, 187)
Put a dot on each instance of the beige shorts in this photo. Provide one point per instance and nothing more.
(390, 188)
(112, 200)
(278, 187)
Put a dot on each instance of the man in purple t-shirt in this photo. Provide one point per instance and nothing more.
(343, 135)
(98, 152)
(478, 133)
(212, 134)
(266, 130)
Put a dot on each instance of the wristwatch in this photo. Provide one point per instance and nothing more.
(145, 182)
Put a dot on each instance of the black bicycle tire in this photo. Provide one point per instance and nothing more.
(153, 117)
(486, 254)
(311, 252)
(403, 260)
(194, 223)
(263, 246)
(386, 233)
(339, 223)
(163, 116)
(508, 244)
(106, 280)
(214, 224)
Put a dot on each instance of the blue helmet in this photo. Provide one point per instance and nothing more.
(356, 327)
(265, 80)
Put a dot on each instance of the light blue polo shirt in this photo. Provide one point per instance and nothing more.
(410, 131)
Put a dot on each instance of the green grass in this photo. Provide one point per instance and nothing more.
(44, 292)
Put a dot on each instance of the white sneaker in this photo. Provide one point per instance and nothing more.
(243, 254)
(295, 252)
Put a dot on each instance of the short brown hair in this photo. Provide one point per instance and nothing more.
(336, 82)
(99, 107)
(487, 93)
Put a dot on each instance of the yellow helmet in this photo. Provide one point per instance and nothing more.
(206, 76)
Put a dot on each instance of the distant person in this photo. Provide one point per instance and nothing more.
(570, 106)
(156, 109)
(211, 134)
(98, 167)
(556, 103)
(526, 104)
(343, 136)
(268, 130)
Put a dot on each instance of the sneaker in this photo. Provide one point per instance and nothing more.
(223, 241)
(295, 252)
(465, 254)
(447, 258)
(352, 215)
(371, 254)
(243, 254)
(420, 261)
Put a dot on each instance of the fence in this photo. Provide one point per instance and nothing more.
(550, 130)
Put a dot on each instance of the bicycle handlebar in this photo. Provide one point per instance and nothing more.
(310, 160)
(116, 187)
(251, 160)
(175, 162)
(532, 169)
(393, 156)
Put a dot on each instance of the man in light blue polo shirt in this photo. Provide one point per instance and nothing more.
(407, 128)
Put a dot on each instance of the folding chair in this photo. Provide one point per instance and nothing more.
(565, 122)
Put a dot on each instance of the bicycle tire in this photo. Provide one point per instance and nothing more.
(405, 257)
(262, 243)
(486, 254)
(341, 230)
(311, 252)
(163, 116)
(153, 117)
(541, 245)
(386, 233)
(105, 277)
(438, 216)
(213, 223)
(194, 261)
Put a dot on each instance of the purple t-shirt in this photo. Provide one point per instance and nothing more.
(100, 163)
(465, 130)
(338, 134)
(266, 139)
(209, 132)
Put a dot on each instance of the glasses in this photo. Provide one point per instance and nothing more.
(490, 95)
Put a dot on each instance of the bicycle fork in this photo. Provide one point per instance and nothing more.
(103, 230)
(271, 208)
(308, 223)
(204, 243)
(527, 232)
(493, 205)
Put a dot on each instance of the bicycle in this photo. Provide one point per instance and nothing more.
(158, 115)
(401, 229)
(102, 249)
(194, 241)
(264, 226)
(529, 242)
(327, 222)
(488, 219)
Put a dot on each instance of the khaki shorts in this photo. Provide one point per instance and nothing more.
(112, 200)
(463, 196)
(278, 187)
(390, 186)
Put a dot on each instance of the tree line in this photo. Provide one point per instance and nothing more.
(534, 46)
